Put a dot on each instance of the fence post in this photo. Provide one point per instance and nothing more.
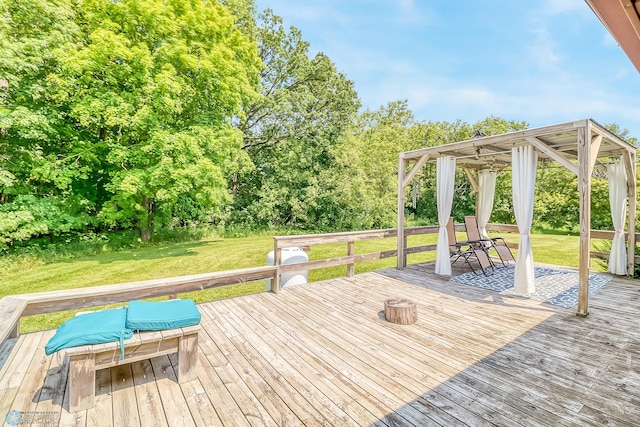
(277, 257)
(351, 250)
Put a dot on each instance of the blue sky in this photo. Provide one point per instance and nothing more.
(542, 62)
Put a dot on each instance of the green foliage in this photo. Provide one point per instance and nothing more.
(361, 186)
(289, 132)
(160, 115)
(126, 105)
(28, 216)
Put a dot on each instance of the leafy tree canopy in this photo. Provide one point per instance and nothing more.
(129, 104)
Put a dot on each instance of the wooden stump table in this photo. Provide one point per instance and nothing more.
(401, 311)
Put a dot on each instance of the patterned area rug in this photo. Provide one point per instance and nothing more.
(554, 286)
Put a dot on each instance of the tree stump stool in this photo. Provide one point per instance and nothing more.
(401, 311)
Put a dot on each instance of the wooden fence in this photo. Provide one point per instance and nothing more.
(13, 307)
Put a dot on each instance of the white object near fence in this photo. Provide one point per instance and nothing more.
(293, 255)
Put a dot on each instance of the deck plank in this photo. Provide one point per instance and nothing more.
(322, 354)
(319, 375)
(172, 396)
(125, 406)
(30, 392)
(304, 353)
(150, 408)
(102, 412)
(397, 352)
(282, 411)
(350, 374)
(199, 404)
(490, 387)
(254, 411)
(284, 388)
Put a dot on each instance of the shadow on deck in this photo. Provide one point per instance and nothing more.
(322, 354)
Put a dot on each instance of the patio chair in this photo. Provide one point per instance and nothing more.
(496, 243)
(457, 250)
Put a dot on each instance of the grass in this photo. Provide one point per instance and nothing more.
(217, 254)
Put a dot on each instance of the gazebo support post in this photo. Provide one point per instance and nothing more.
(404, 179)
(402, 167)
(584, 190)
(630, 165)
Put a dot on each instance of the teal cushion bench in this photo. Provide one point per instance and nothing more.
(92, 328)
(117, 343)
(156, 316)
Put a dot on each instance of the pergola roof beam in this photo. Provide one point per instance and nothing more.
(472, 180)
(416, 168)
(554, 154)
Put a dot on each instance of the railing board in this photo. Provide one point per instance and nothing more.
(608, 235)
(418, 249)
(605, 256)
(53, 301)
(509, 228)
(342, 237)
(333, 262)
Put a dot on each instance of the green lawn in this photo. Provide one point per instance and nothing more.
(217, 254)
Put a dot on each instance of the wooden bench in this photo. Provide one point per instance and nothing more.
(85, 360)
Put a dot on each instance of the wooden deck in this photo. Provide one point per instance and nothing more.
(322, 354)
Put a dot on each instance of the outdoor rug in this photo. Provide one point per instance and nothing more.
(554, 286)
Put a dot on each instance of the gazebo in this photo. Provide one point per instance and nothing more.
(578, 146)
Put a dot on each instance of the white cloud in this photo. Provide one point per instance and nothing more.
(543, 48)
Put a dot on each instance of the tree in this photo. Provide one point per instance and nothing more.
(132, 107)
(362, 184)
(29, 216)
(288, 132)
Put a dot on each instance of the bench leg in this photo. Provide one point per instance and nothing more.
(82, 382)
(187, 358)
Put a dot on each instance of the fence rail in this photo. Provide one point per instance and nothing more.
(13, 307)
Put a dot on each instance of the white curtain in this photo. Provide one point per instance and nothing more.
(618, 201)
(445, 177)
(486, 192)
(524, 163)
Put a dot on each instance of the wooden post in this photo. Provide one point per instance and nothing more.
(351, 250)
(632, 194)
(277, 256)
(82, 382)
(406, 245)
(584, 190)
(188, 357)
(402, 167)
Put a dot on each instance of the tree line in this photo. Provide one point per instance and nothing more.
(144, 114)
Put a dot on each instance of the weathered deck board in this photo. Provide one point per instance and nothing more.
(323, 354)
(411, 365)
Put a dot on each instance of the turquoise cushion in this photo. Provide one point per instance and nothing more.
(156, 316)
(91, 328)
